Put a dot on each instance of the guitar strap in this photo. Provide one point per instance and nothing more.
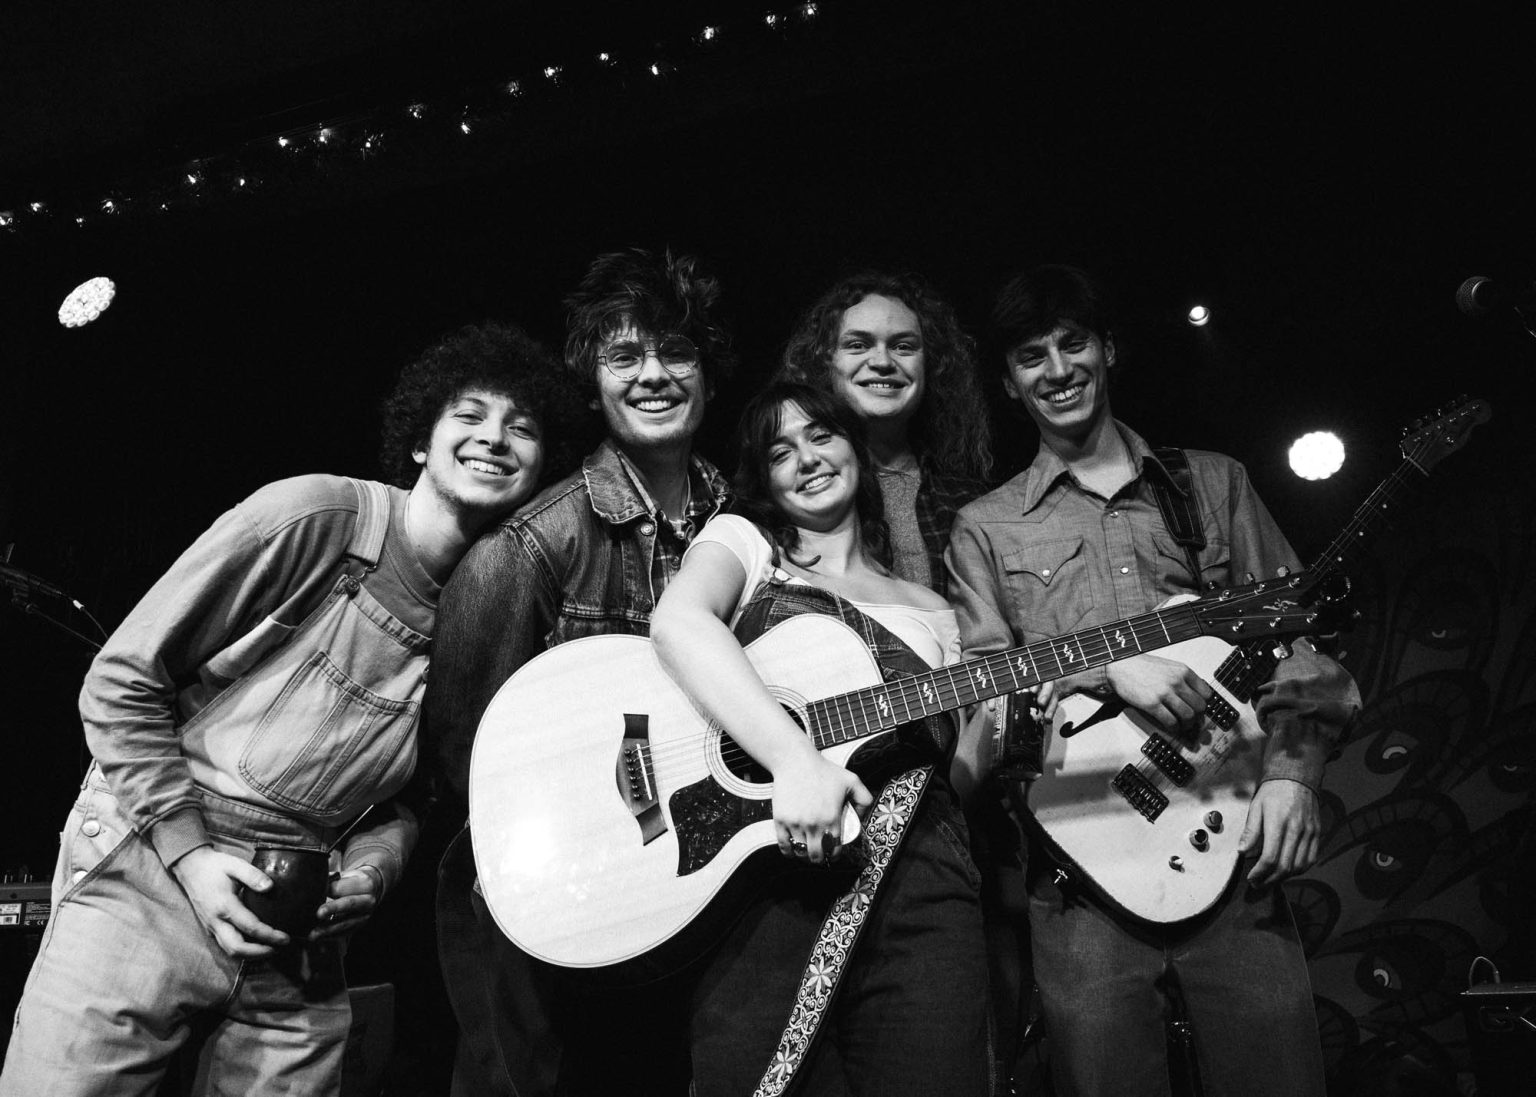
(841, 928)
(1180, 506)
(886, 826)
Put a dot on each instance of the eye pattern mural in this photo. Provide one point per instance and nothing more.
(1430, 836)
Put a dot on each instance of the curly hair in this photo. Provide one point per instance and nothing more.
(658, 295)
(761, 421)
(494, 357)
(1039, 300)
(950, 431)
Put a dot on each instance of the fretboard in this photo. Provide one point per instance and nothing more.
(1373, 511)
(849, 716)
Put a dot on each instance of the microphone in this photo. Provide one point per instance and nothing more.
(25, 583)
(1480, 295)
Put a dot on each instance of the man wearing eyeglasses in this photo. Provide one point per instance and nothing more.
(588, 557)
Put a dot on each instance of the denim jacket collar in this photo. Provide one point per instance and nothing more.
(616, 500)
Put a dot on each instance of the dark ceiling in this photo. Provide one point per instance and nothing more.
(1324, 177)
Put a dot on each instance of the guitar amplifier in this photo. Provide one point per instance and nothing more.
(24, 910)
(1501, 1031)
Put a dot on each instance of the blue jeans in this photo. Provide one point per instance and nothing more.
(911, 1014)
(125, 970)
(1239, 969)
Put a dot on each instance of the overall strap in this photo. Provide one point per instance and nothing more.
(1181, 507)
(372, 522)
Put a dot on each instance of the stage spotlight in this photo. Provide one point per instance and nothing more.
(86, 301)
(1317, 456)
(1199, 316)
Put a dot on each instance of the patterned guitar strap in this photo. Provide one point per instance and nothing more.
(842, 927)
(883, 832)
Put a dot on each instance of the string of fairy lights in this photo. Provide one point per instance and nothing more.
(335, 149)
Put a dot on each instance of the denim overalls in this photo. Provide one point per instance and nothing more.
(316, 723)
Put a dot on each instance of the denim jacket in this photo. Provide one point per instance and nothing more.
(588, 557)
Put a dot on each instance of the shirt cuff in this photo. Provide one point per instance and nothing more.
(178, 834)
(1297, 751)
(386, 859)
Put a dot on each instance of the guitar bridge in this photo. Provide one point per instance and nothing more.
(1139, 793)
(636, 777)
(1166, 757)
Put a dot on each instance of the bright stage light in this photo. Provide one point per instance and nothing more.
(86, 301)
(1317, 456)
(1199, 316)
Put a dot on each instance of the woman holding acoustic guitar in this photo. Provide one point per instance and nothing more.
(909, 1012)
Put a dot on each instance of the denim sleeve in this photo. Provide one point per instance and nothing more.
(974, 590)
(496, 613)
(974, 565)
(251, 561)
(1311, 698)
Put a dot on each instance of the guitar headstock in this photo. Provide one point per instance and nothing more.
(1306, 603)
(1426, 441)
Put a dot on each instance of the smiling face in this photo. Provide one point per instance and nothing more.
(878, 362)
(654, 411)
(1062, 379)
(813, 473)
(484, 455)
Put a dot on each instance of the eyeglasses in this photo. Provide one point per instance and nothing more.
(678, 356)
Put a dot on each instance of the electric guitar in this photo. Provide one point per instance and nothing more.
(1151, 820)
(608, 812)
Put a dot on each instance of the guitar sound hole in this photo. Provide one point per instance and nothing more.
(740, 763)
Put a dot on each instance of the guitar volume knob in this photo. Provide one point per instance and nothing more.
(1176, 863)
(1200, 840)
(1213, 821)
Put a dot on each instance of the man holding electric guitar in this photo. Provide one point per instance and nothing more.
(1100, 527)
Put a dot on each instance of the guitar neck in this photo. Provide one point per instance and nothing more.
(1352, 539)
(866, 712)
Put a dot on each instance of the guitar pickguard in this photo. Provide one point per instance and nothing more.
(705, 817)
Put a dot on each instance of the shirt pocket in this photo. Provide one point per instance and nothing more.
(1049, 586)
(1171, 564)
(329, 746)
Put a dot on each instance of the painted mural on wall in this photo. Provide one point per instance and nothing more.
(1429, 840)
